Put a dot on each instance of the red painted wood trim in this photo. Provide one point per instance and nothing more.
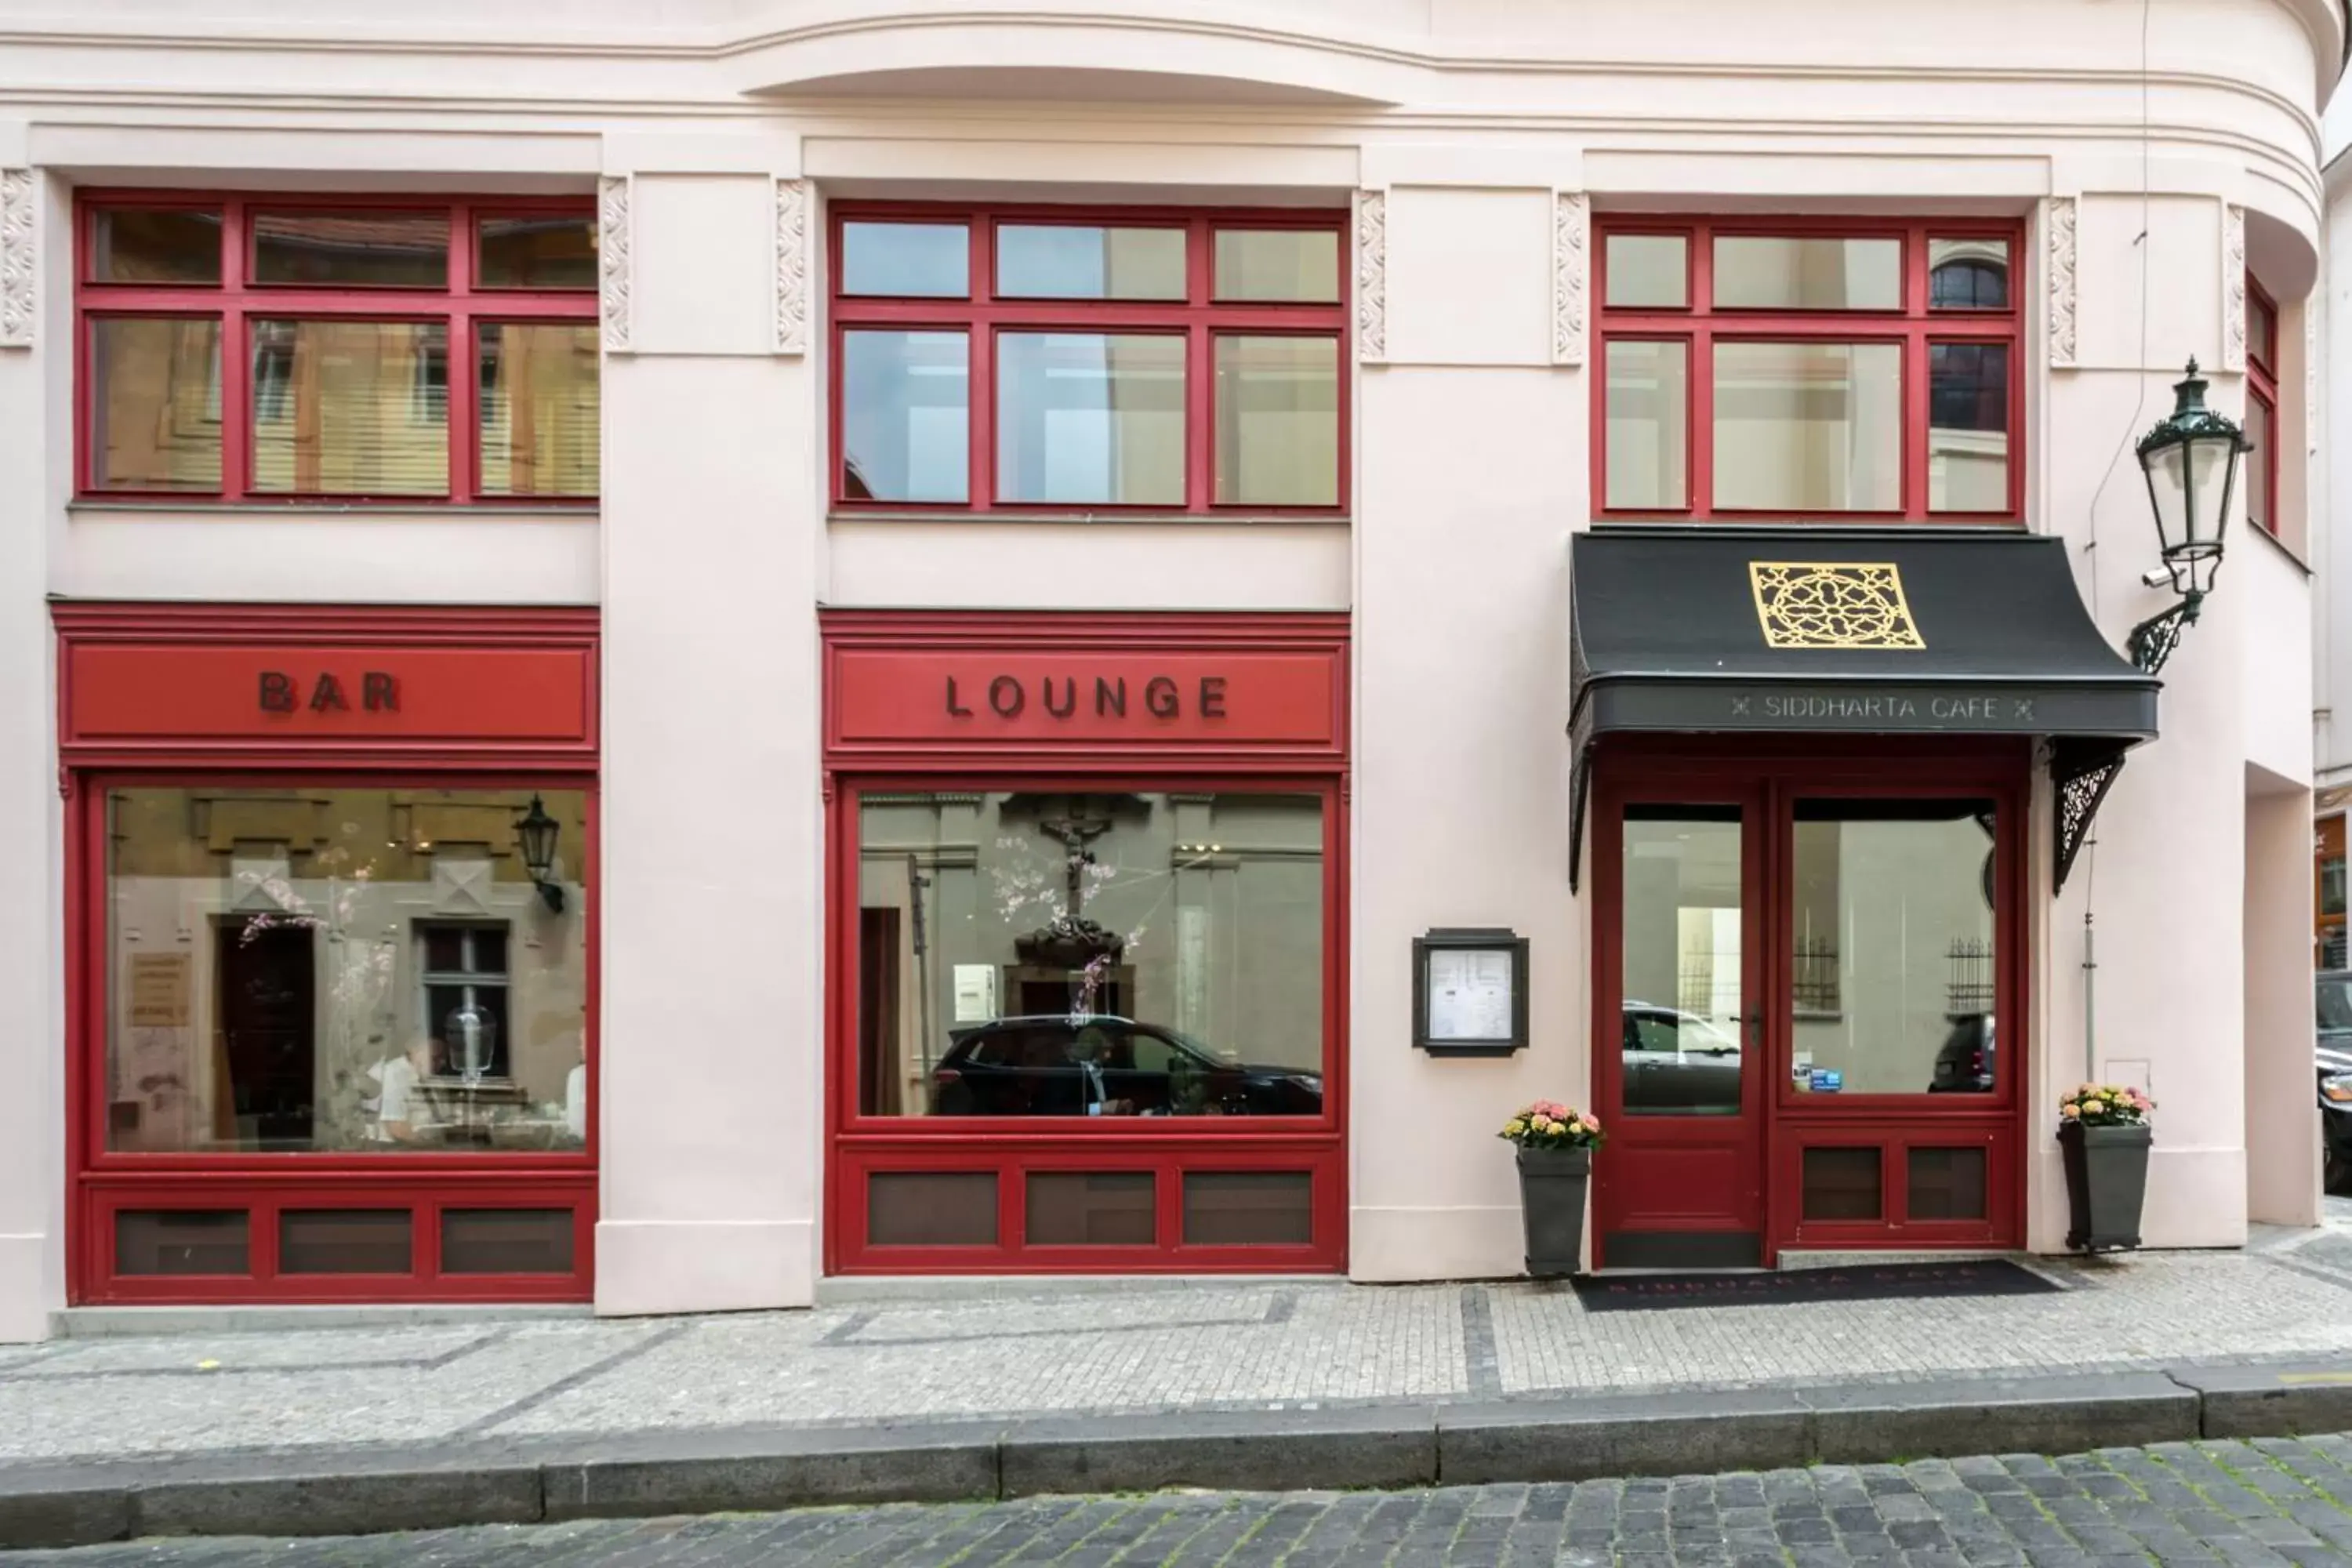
(99, 1182)
(164, 685)
(1200, 318)
(1765, 776)
(1700, 324)
(238, 299)
(857, 1146)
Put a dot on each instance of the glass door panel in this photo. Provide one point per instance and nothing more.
(1680, 963)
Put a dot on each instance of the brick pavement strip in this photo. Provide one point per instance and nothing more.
(2267, 1501)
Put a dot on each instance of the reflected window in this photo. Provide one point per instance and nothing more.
(351, 408)
(1967, 274)
(155, 405)
(351, 250)
(1684, 984)
(1968, 427)
(362, 970)
(1124, 955)
(537, 409)
(1900, 892)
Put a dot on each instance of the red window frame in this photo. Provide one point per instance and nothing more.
(2261, 387)
(1916, 326)
(237, 300)
(981, 315)
(859, 1146)
(101, 1182)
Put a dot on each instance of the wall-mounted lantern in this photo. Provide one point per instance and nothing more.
(536, 832)
(2190, 460)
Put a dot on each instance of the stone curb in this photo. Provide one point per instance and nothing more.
(528, 1480)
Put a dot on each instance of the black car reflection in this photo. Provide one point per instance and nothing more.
(1095, 1065)
(1678, 1062)
(1964, 1062)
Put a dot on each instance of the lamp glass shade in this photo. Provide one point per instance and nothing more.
(2190, 462)
(537, 834)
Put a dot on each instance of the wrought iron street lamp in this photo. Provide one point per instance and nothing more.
(2190, 460)
(536, 832)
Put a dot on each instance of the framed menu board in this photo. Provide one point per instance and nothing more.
(1470, 992)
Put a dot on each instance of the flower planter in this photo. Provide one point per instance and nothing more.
(2106, 1178)
(1551, 1203)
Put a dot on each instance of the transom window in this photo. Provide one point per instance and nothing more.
(2261, 407)
(1047, 359)
(1798, 369)
(289, 348)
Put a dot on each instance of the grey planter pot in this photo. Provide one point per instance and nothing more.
(1551, 1204)
(2107, 1180)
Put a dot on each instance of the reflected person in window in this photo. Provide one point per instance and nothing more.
(1089, 1050)
(400, 1104)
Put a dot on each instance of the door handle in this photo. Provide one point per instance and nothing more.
(1753, 1021)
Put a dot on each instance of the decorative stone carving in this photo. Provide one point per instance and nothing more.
(1568, 271)
(2058, 226)
(19, 260)
(2234, 288)
(792, 267)
(612, 260)
(1372, 276)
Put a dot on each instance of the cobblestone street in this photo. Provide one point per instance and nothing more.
(2269, 1501)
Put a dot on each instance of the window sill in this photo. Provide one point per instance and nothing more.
(197, 506)
(2284, 548)
(1105, 519)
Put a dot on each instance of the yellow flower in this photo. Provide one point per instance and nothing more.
(1513, 1128)
(2093, 1106)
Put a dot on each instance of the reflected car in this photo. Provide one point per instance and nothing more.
(1678, 1062)
(1964, 1062)
(2334, 1051)
(1053, 1065)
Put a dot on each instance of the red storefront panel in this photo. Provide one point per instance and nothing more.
(965, 705)
(420, 707)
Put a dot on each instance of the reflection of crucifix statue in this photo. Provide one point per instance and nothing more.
(1075, 833)
(1070, 940)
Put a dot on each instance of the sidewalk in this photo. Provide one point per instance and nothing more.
(1319, 1384)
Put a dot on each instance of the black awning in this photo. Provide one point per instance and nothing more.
(1895, 631)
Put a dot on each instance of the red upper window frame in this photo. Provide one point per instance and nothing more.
(1699, 324)
(464, 304)
(1199, 317)
(2261, 387)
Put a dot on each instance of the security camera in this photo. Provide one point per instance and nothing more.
(2157, 576)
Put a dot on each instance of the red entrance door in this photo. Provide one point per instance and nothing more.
(1679, 1062)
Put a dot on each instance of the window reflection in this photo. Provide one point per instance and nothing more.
(344, 407)
(1683, 1013)
(906, 415)
(1809, 426)
(1090, 955)
(155, 408)
(537, 409)
(358, 970)
(1894, 898)
(1090, 417)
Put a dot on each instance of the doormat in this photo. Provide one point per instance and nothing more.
(1863, 1282)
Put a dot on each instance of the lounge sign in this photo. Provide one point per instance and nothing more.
(883, 697)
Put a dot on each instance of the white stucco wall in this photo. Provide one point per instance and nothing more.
(1467, 120)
